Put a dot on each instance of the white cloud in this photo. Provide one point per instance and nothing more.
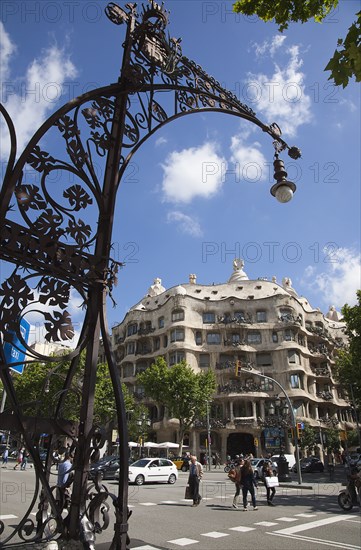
(161, 141)
(186, 224)
(270, 47)
(339, 283)
(282, 97)
(251, 164)
(193, 172)
(31, 97)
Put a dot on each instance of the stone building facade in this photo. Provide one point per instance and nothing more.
(237, 329)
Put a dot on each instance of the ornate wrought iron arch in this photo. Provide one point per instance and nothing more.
(46, 235)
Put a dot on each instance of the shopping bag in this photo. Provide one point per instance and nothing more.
(188, 495)
(272, 481)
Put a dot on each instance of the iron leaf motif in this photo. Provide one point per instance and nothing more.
(59, 326)
(28, 196)
(40, 160)
(77, 197)
(54, 291)
(48, 223)
(78, 231)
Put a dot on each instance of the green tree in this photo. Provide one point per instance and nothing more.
(183, 392)
(345, 62)
(307, 440)
(332, 440)
(348, 360)
(39, 387)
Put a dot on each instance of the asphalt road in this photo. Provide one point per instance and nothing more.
(161, 519)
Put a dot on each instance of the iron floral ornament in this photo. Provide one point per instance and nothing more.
(58, 239)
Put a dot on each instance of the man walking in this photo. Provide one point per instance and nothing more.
(195, 475)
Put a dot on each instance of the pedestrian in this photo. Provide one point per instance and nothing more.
(195, 475)
(5, 457)
(64, 479)
(217, 461)
(19, 459)
(25, 459)
(237, 480)
(248, 483)
(331, 465)
(267, 473)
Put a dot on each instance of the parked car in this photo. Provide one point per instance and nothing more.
(310, 464)
(290, 459)
(182, 463)
(106, 468)
(257, 466)
(148, 470)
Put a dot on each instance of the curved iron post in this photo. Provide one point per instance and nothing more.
(63, 253)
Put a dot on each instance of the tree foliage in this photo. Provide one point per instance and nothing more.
(183, 392)
(308, 438)
(39, 387)
(348, 361)
(346, 61)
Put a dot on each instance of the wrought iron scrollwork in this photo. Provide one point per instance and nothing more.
(55, 214)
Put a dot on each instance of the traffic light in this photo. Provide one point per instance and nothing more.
(238, 369)
(299, 430)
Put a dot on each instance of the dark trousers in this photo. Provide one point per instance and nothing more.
(271, 491)
(194, 488)
(245, 490)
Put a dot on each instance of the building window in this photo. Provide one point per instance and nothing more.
(165, 341)
(294, 357)
(128, 370)
(289, 335)
(156, 343)
(275, 337)
(209, 317)
(254, 337)
(176, 357)
(204, 360)
(178, 315)
(266, 385)
(295, 381)
(132, 329)
(161, 322)
(264, 359)
(261, 316)
(239, 316)
(177, 335)
(213, 338)
(131, 347)
(198, 337)
(236, 338)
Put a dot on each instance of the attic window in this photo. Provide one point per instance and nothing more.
(198, 290)
(250, 297)
(239, 287)
(258, 287)
(214, 291)
(206, 297)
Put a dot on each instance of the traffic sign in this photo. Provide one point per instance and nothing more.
(14, 351)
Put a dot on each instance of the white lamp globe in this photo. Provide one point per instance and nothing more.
(284, 193)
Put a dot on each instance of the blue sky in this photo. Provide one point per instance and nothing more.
(197, 194)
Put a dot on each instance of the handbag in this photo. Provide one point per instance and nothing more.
(272, 481)
(188, 495)
(232, 475)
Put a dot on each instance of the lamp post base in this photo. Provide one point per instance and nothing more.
(283, 471)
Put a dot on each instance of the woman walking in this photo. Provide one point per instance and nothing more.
(271, 491)
(248, 484)
(237, 481)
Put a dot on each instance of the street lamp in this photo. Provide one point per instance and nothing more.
(280, 412)
(144, 424)
(55, 252)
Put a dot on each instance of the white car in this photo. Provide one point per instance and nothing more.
(148, 470)
(257, 466)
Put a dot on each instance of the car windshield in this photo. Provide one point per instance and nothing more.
(142, 463)
(254, 461)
